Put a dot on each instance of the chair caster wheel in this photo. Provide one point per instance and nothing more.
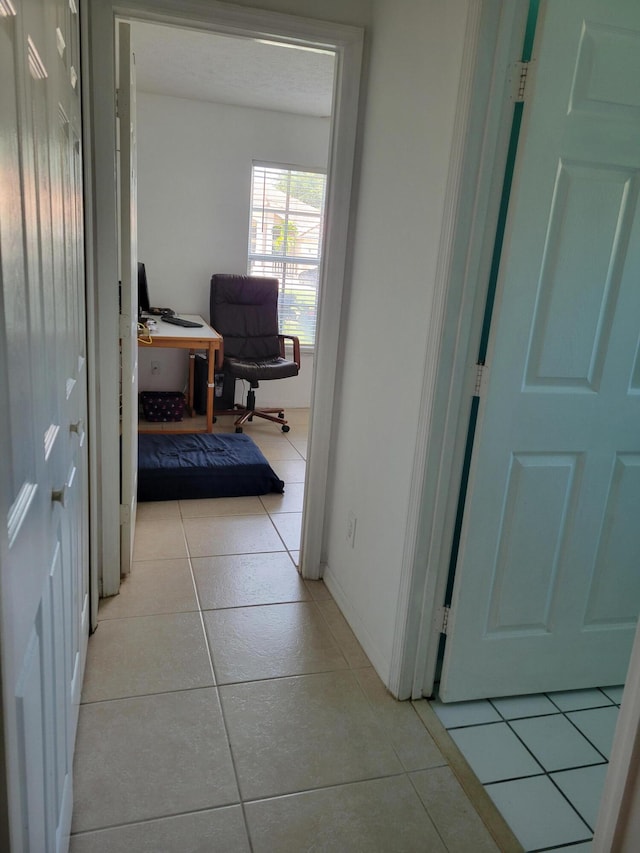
(286, 428)
(281, 414)
(238, 429)
(215, 420)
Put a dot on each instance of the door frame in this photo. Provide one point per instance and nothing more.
(93, 431)
(347, 42)
(493, 43)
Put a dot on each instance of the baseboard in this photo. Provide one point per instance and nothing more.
(380, 663)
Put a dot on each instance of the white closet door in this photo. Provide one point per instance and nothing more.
(43, 468)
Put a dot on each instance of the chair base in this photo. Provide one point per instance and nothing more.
(274, 415)
(249, 412)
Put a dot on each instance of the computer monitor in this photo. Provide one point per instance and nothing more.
(143, 290)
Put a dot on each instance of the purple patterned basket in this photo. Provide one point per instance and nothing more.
(162, 405)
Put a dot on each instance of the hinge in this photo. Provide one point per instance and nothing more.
(443, 618)
(518, 80)
(481, 380)
(117, 103)
(125, 513)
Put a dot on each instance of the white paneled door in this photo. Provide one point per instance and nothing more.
(547, 589)
(43, 403)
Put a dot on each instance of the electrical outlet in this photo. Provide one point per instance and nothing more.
(155, 368)
(351, 528)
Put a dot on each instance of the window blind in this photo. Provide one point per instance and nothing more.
(285, 241)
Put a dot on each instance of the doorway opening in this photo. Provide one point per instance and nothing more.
(346, 44)
(209, 107)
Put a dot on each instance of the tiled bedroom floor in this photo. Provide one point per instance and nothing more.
(542, 759)
(228, 707)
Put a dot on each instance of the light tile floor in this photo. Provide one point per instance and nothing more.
(227, 706)
(541, 755)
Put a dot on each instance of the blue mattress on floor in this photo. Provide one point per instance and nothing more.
(202, 465)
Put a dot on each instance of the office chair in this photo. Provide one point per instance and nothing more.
(244, 310)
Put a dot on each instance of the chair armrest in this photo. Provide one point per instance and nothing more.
(296, 347)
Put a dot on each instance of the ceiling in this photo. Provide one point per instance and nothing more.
(245, 72)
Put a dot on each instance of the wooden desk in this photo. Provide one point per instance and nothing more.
(168, 336)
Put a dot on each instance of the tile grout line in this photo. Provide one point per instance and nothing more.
(585, 736)
(361, 689)
(215, 685)
(406, 773)
(220, 705)
(366, 698)
(573, 806)
(476, 792)
(332, 634)
(145, 820)
(548, 773)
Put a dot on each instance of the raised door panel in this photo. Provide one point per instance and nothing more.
(580, 275)
(536, 514)
(614, 592)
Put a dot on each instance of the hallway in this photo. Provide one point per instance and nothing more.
(227, 706)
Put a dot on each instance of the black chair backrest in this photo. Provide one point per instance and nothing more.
(244, 309)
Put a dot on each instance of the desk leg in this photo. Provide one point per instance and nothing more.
(192, 361)
(210, 387)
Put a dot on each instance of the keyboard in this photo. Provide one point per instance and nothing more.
(178, 321)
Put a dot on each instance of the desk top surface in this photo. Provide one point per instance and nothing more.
(167, 331)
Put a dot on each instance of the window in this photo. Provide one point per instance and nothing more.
(285, 241)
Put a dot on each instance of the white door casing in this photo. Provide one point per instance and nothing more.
(126, 110)
(241, 21)
(545, 595)
(43, 479)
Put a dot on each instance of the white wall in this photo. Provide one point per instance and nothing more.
(415, 61)
(194, 180)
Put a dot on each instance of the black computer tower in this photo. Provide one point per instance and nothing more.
(224, 391)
